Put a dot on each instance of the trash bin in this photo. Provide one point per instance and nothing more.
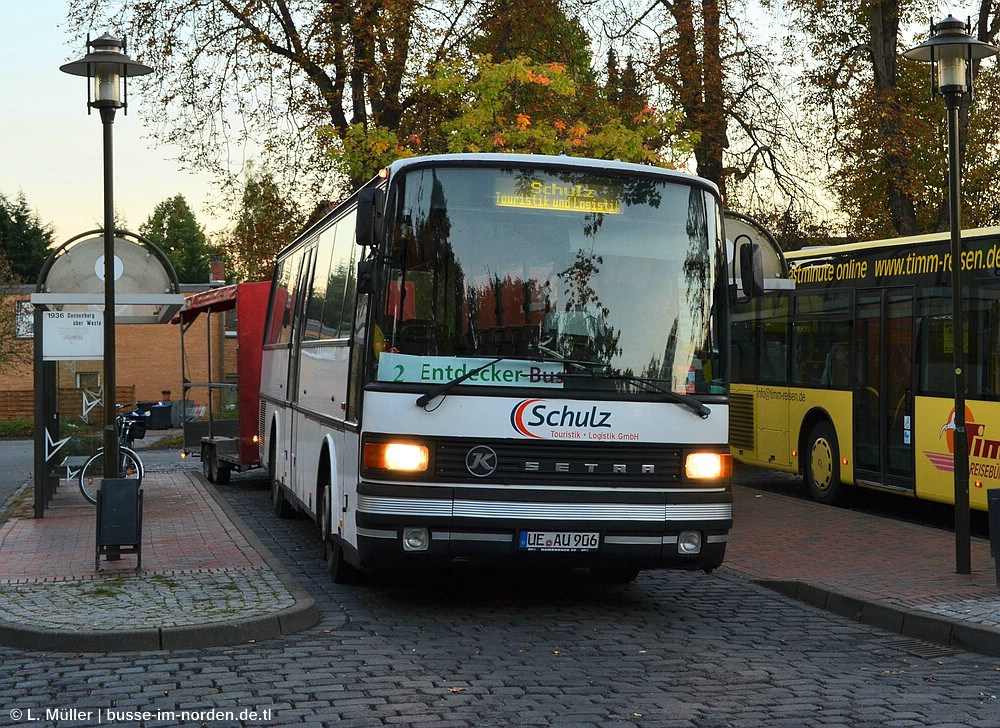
(159, 417)
(119, 520)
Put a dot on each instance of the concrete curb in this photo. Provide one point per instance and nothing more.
(906, 622)
(300, 616)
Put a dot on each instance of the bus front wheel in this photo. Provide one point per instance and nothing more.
(279, 504)
(822, 466)
(339, 570)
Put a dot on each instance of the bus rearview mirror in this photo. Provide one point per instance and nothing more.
(369, 220)
(751, 269)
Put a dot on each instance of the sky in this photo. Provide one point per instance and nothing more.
(51, 150)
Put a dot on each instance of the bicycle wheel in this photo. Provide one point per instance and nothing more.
(130, 466)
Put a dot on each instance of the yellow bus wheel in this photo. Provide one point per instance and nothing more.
(822, 465)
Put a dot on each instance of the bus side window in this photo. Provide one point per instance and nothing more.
(277, 308)
(936, 363)
(741, 345)
(287, 298)
(838, 366)
(983, 336)
(823, 339)
(773, 351)
(810, 357)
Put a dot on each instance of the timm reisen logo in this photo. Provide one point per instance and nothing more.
(539, 418)
(979, 447)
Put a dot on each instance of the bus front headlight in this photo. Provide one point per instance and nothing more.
(708, 465)
(402, 456)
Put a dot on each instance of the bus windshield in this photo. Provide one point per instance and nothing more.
(574, 280)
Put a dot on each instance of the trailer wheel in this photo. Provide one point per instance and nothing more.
(208, 463)
(214, 471)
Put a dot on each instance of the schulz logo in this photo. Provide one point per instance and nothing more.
(531, 415)
(481, 461)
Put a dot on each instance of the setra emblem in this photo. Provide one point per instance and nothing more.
(481, 461)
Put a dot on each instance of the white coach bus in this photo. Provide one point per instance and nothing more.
(513, 358)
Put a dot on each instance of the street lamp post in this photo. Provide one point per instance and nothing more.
(109, 67)
(951, 51)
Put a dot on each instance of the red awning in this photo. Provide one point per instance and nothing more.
(217, 299)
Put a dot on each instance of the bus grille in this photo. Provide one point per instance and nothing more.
(586, 464)
(741, 429)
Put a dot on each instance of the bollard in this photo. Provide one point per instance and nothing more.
(993, 505)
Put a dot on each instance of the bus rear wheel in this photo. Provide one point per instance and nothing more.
(822, 465)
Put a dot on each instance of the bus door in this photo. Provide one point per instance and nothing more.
(300, 298)
(883, 395)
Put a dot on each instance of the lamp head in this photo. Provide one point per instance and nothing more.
(950, 50)
(106, 63)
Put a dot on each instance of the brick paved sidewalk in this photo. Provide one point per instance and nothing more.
(205, 579)
(881, 571)
(183, 528)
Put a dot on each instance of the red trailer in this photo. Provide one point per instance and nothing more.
(221, 429)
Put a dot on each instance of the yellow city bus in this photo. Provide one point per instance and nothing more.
(849, 380)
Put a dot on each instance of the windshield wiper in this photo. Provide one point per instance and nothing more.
(686, 400)
(445, 387)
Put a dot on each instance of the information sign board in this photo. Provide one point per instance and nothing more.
(71, 335)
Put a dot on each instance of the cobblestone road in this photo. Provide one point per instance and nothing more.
(500, 649)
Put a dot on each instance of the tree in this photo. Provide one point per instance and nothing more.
(709, 62)
(519, 106)
(271, 73)
(859, 95)
(268, 73)
(537, 29)
(175, 231)
(24, 240)
(528, 106)
(699, 83)
(527, 84)
(266, 223)
(13, 351)
(884, 130)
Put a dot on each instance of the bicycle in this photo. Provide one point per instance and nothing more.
(131, 426)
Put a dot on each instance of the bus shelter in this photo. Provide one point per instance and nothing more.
(68, 322)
